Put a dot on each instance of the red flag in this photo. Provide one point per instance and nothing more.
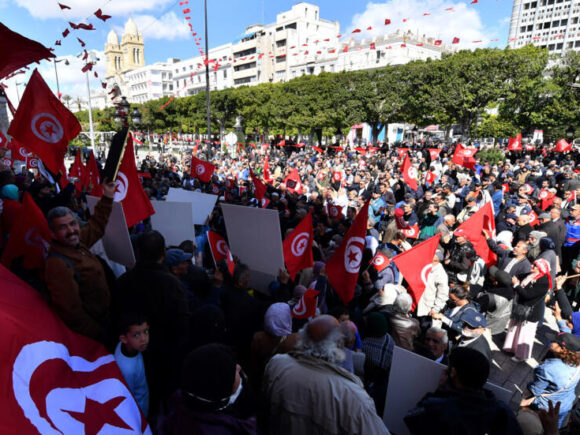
(220, 250)
(434, 153)
(334, 211)
(32, 163)
(529, 147)
(259, 187)
(528, 190)
(533, 218)
(412, 232)
(306, 306)
(505, 188)
(100, 16)
(29, 237)
(3, 140)
(93, 177)
(438, 42)
(78, 171)
(464, 156)
(380, 261)
(356, 31)
(409, 173)
(345, 49)
(17, 51)
(482, 219)
(293, 182)
(430, 177)
(546, 198)
(44, 124)
(416, 264)
(267, 175)
(336, 176)
(402, 152)
(297, 247)
(387, 21)
(562, 146)
(318, 149)
(343, 267)
(55, 380)
(515, 143)
(373, 46)
(62, 7)
(455, 40)
(129, 191)
(201, 169)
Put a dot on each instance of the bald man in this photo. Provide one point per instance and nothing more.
(308, 393)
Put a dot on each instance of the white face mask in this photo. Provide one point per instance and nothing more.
(234, 396)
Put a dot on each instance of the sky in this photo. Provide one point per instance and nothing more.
(167, 34)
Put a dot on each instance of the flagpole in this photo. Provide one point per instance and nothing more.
(207, 100)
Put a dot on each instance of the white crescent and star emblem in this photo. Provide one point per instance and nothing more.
(543, 194)
(121, 187)
(379, 260)
(33, 238)
(353, 254)
(222, 247)
(412, 172)
(200, 169)
(299, 244)
(425, 273)
(47, 128)
(333, 211)
(33, 163)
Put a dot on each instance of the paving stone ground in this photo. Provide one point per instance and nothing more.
(515, 376)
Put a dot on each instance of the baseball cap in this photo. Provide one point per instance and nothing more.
(474, 319)
(175, 256)
(565, 339)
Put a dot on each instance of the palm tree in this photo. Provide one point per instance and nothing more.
(67, 99)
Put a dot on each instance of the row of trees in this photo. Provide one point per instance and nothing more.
(528, 89)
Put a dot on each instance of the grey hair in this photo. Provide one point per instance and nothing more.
(443, 332)
(403, 303)
(328, 349)
(55, 213)
(448, 217)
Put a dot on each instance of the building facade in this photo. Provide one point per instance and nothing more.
(551, 24)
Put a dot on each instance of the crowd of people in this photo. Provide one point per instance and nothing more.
(204, 352)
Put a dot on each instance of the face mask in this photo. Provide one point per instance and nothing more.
(234, 396)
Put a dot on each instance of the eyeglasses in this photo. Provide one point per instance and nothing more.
(434, 340)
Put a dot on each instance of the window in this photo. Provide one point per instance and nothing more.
(559, 46)
(244, 80)
(281, 43)
(225, 73)
(291, 26)
(280, 59)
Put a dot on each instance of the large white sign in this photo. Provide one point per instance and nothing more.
(254, 236)
(174, 220)
(116, 240)
(412, 376)
(202, 204)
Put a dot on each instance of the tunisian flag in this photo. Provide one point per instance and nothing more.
(43, 123)
(267, 175)
(17, 51)
(29, 237)
(129, 192)
(380, 261)
(201, 170)
(297, 247)
(55, 380)
(481, 219)
(416, 264)
(220, 250)
(259, 187)
(515, 144)
(78, 171)
(561, 146)
(334, 211)
(464, 157)
(93, 177)
(293, 182)
(306, 306)
(434, 153)
(409, 173)
(343, 267)
(546, 198)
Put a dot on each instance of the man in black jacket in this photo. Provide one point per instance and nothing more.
(461, 405)
(151, 289)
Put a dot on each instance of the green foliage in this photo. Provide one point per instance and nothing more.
(456, 89)
(491, 156)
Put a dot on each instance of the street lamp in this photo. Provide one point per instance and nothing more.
(66, 62)
(121, 115)
(570, 132)
(92, 59)
(207, 101)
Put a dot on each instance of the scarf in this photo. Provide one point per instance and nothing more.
(543, 270)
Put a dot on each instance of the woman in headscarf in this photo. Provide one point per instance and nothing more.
(527, 310)
(277, 337)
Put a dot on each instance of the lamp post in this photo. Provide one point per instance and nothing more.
(93, 60)
(66, 62)
(121, 115)
(207, 101)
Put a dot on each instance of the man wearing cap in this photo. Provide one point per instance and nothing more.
(474, 324)
(470, 208)
(308, 393)
(556, 378)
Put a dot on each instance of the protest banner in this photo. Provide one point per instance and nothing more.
(174, 220)
(202, 204)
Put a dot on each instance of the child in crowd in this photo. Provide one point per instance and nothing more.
(133, 339)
